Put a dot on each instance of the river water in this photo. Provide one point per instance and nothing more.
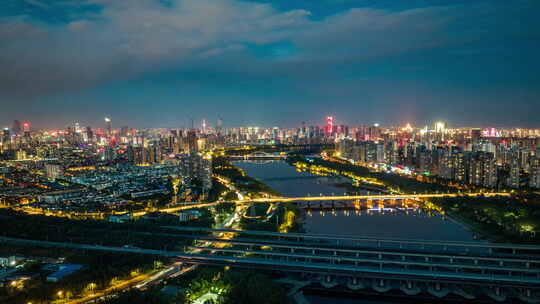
(392, 221)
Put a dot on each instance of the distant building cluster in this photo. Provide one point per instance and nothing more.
(91, 169)
(485, 158)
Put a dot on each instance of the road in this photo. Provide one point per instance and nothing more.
(366, 197)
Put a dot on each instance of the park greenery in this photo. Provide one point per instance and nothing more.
(217, 190)
(249, 185)
(285, 218)
(100, 270)
(367, 177)
(144, 233)
(232, 286)
(505, 218)
(502, 219)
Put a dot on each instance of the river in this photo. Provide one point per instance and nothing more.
(390, 221)
(393, 221)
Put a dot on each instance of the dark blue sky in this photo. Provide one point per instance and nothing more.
(158, 63)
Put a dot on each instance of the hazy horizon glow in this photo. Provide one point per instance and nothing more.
(159, 63)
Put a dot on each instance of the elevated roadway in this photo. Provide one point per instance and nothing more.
(498, 268)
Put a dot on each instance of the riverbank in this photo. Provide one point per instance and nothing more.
(498, 219)
(244, 183)
(389, 181)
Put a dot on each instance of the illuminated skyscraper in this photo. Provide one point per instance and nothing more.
(108, 126)
(192, 140)
(482, 170)
(6, 136)
(329, 125)
(26, 129)
(20, 155)
(219, 125)
(17, 127)
(534, 181)
(52, 171)
(124, 131)
(514, 180)
(89, 134)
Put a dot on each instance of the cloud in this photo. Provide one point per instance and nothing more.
(37, 3)
(127, 39)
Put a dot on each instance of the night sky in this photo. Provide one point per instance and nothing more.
(152, 63)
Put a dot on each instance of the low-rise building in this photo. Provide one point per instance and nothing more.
(63, 270)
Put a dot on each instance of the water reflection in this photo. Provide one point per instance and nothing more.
(376, 218)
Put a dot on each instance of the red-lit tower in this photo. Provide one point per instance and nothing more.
(26, 129)
(329, 124)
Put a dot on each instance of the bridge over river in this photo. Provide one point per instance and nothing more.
(411, 196)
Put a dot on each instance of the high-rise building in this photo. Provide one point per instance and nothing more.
(124, 131)
(139, 157)
(219, 125)
(52, 171)
(476, 134)
(195, 167)
(107, 154)
(108, 126)
(17, 127)
(514, 178)
(423, 158)
(380, 152)
(26, 129)
(454, 165)
(20, 155)
(345, 148)
(155, 156)
(329, 125)
(6, 137)
(192, 140)
(483, 171)
(534, 181)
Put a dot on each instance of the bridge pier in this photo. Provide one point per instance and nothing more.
(329, 281)
(526, 295)
(381, 285)
(438, 290)
(355, 284)
(460, 291)
(410, 288)
(495, 293)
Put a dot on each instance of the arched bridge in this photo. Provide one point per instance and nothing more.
(259, 155)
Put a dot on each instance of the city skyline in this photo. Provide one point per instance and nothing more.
(108, 124)
(274, 62)
(269, 151)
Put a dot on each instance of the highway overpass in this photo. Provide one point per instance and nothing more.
(505, 272)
